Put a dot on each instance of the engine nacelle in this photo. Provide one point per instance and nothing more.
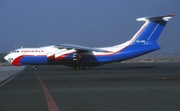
(76, 56)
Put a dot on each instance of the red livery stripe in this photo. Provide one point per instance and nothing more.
(60, 57)
(16, 61)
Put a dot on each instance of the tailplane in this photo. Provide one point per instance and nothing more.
(151, 30)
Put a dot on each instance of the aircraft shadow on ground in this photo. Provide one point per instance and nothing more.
(105, 67)
(111, 68)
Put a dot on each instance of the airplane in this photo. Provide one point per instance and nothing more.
(143, 42)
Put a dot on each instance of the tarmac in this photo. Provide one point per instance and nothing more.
(9, 72)
(113, 87)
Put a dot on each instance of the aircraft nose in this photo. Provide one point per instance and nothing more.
(6, 57)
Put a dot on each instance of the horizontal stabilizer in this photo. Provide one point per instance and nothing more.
(165, 18)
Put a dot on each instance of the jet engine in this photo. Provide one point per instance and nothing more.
(76, 56)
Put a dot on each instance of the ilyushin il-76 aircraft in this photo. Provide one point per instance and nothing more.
(143, 42)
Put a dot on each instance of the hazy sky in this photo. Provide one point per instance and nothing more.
(94, 23)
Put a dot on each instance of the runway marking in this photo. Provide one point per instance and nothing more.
(50, 101)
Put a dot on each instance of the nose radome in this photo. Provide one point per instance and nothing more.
(6, 57)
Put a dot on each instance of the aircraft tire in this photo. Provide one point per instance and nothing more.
(35, 68)
(77, 67)
(85, 67)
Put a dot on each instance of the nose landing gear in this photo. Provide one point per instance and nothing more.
(35, 68)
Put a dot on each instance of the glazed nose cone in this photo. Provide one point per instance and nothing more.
(7, 58)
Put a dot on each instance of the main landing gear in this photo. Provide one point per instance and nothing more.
(35, 68)
(79, 67)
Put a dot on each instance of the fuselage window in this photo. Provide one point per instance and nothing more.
(16, 51)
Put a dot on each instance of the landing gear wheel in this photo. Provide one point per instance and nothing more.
(85, 67)
(77, 67)
(35, 68)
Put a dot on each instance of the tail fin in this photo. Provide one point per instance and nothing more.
(151, 30)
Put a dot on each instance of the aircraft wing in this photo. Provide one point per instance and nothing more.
(79, 48)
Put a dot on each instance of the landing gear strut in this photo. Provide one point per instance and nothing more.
(35, 68)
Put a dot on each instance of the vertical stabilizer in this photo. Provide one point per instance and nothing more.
(151, 30)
